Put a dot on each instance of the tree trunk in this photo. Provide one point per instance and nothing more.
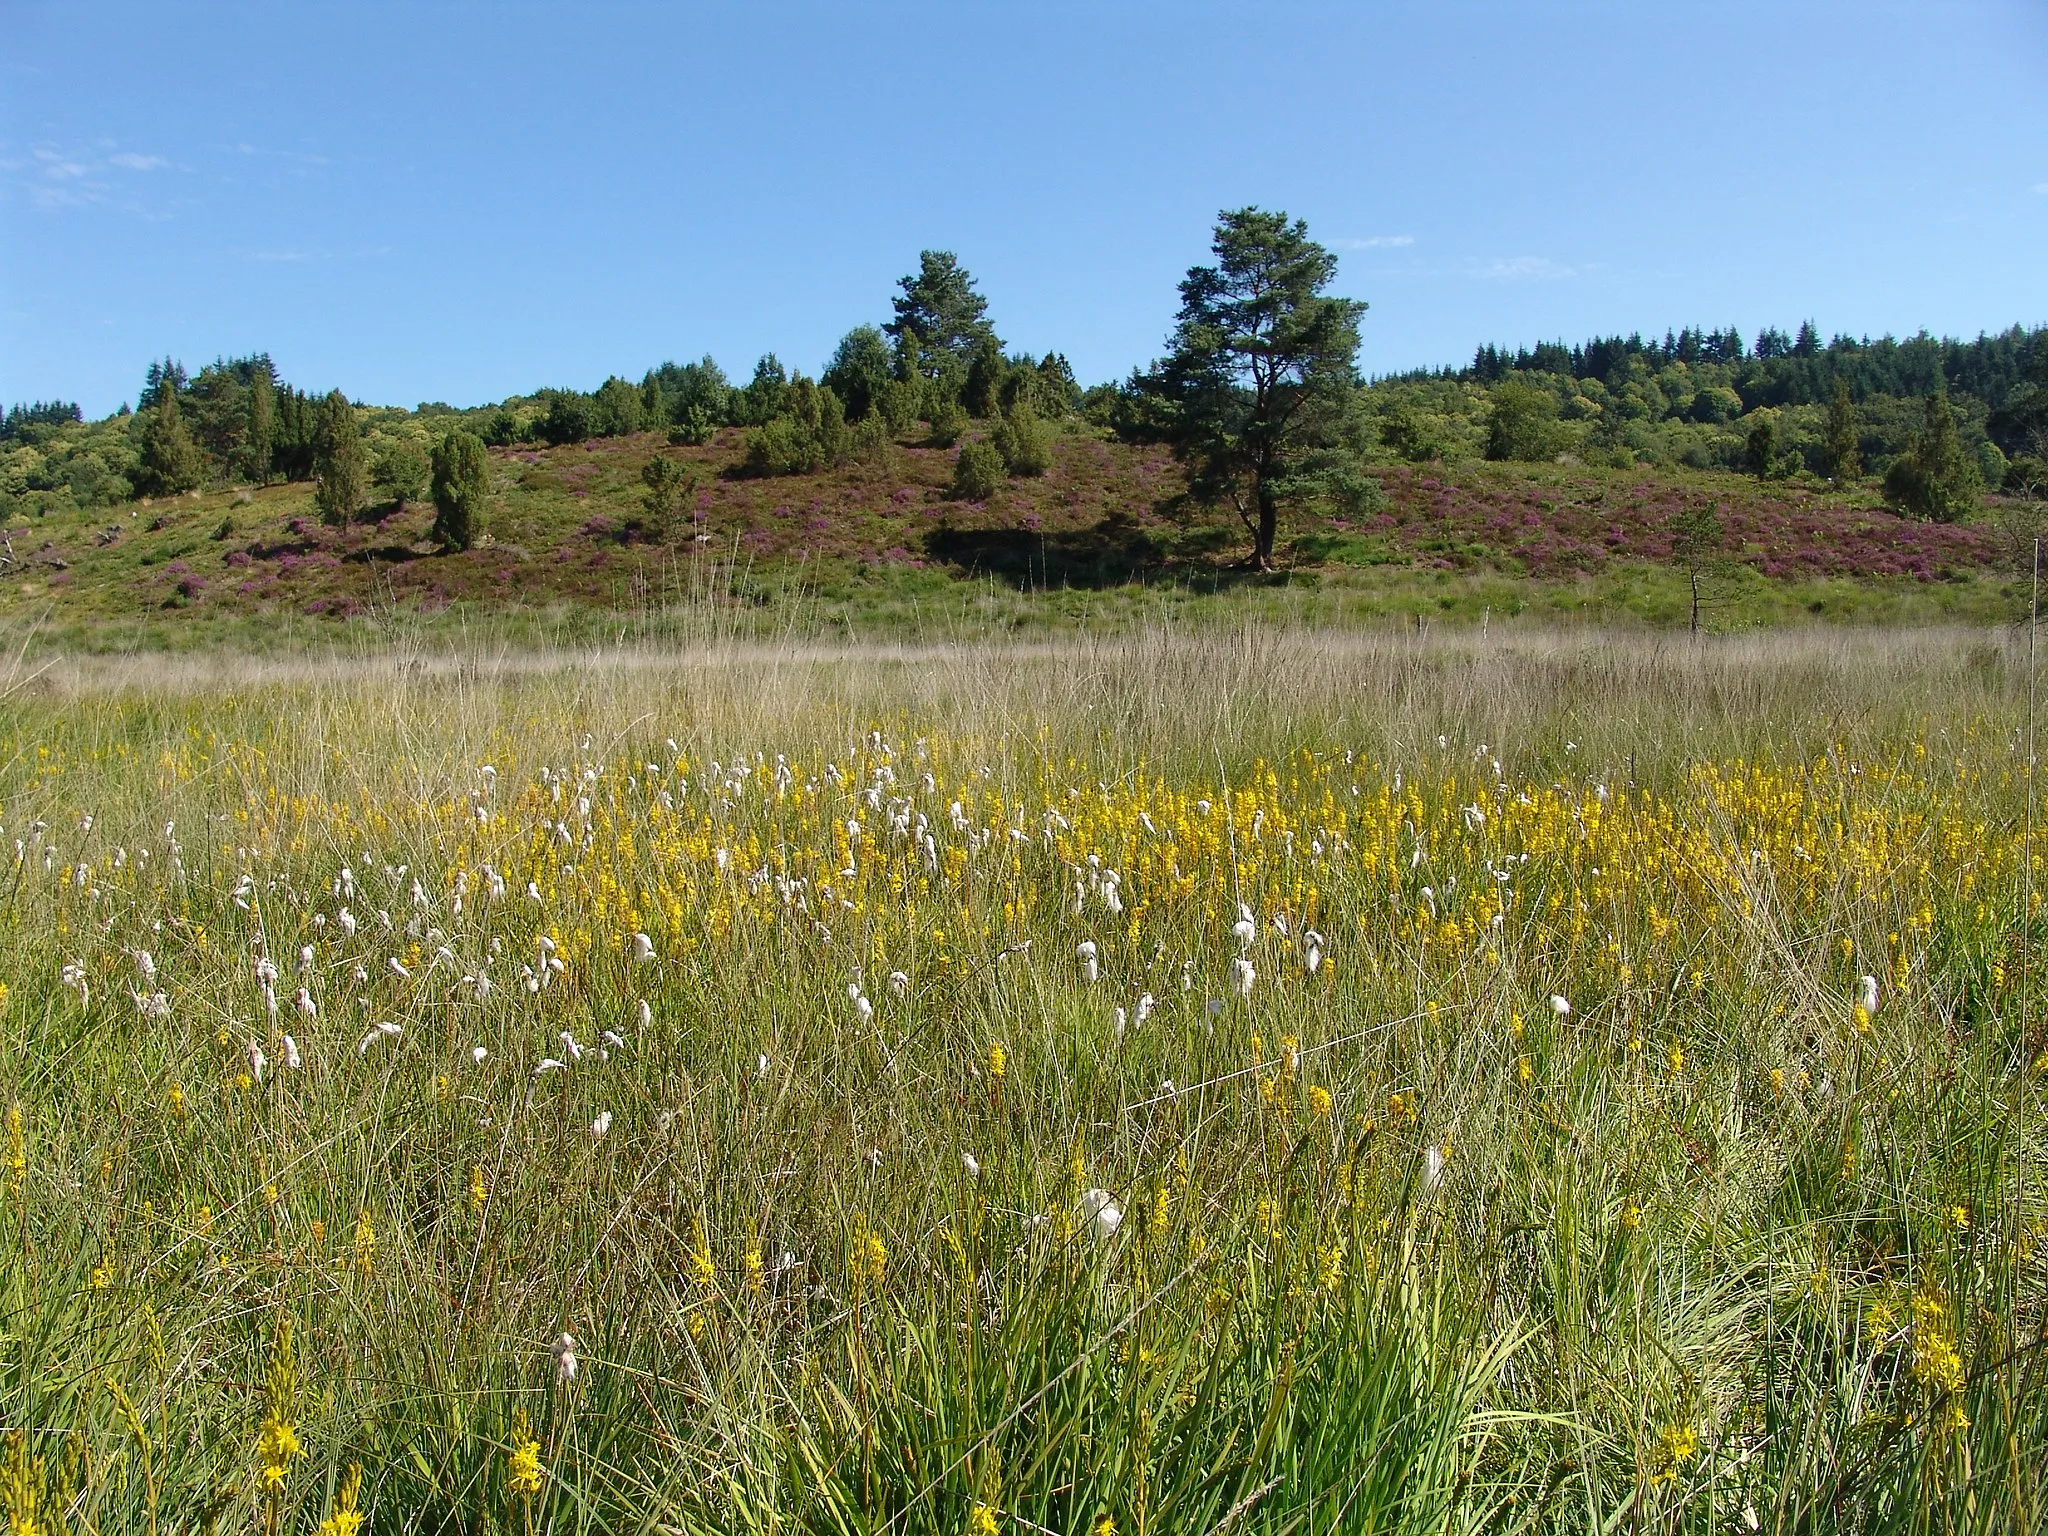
(1269, 526)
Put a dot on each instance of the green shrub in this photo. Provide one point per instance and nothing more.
(1023, 441)
(462, 479)
(978, 472)
(946, 417)
(695, 426)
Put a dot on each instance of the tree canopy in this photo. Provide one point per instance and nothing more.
(1256, 393)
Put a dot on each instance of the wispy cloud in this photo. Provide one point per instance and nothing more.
(1519, 269)
(50, 177)
(1374, 243)
(2041, 187)
(360, 253)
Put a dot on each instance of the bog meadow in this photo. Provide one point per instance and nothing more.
(930, 950)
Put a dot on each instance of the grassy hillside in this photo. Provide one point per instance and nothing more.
(881, 545)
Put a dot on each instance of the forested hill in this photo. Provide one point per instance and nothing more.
(1929, 424)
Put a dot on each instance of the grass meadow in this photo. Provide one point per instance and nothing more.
(1269, 1080)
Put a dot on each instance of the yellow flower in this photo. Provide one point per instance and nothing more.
(982, 1522)
(479, 1191)
(17, 1148)
(21, 1490)
(1677, 1059)
(277, 1445)
(1525, 1072)
(998, 1061)
(754, 1267)
(366, 1243)
(1631, 1216)
(522, 1462)
(1676, 1445)
(702, 1270)
(1959, 1217)
(1319, 1099)
(347, 1520)
(1103, 1526)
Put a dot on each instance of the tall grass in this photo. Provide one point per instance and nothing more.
(1298, 1205)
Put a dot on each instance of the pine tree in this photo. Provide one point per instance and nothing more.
(338, 469)
(462, 480)
(171, 461)
(262, 425)
(1844, 457)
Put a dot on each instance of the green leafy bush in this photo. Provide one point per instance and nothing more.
(1023, 442)
(978, 472)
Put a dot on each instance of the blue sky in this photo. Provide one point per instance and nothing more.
(460, 202)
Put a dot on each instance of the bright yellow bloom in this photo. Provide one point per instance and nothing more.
(998, 1061)
(982, 1522)
(365, 1243)
(1319, 1099)
(479, 1191)
(522, 1461)
(21, 1490)
(347, 1519)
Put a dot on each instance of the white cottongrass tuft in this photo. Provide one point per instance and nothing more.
(1242, 976)
(602, 1123)
(1558, 1006)
(549, 1064)
(1432, 1169)
(257, 1061)
(575, 1051)
(899, 983)
(1146, 1003)
(398, 968)
(643, 949)
(564, 1350)
(973, 1168)
(307, 1007)
(477, 1053)
(288, 1051)
(646, 1013)
(1866, 994)
(384, 1031)
(1101, 1214)
(1085, 953)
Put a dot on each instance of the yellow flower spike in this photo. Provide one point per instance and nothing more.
(479, 1191)
(522, 1459)
(365, 1244)
(347, 1519)
(982, 1522)
(1319, 1100)
(277, 1444)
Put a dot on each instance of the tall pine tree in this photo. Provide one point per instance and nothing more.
(171, 461)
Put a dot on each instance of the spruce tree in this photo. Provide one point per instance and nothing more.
(1845, 460)
(171, 461)
(462, 480)
(338, 469)
(260, 428)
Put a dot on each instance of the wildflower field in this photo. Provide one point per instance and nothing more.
(1268, 1082)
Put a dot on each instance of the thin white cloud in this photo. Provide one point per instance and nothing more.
(1520, 269)
(1374, 243)
(76, 177)
(361, 253)
(2041, 187)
